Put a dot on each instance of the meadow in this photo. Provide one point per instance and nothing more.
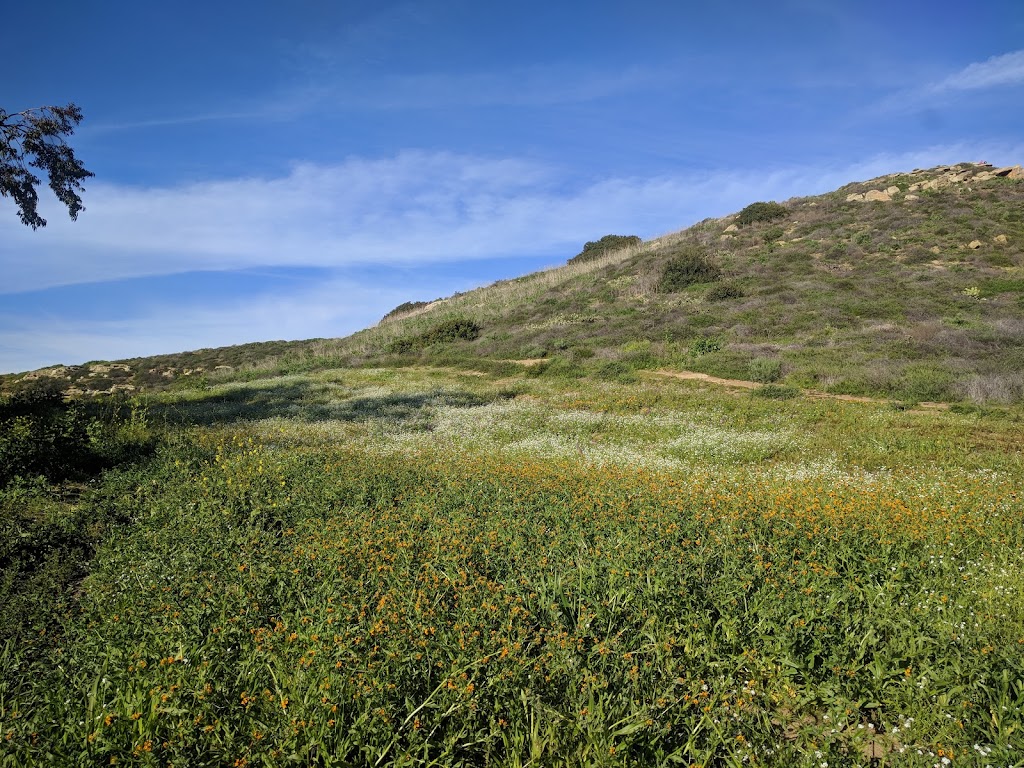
(432, 567)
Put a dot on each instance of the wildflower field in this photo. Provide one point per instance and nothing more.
(427, 567)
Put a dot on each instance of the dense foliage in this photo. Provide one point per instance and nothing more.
(597, 248)
(404, 308)
(761, 211)
(34, 138)
(723, 292)
(444, 332)
(52, 517)
(688, 267)
(44, 435)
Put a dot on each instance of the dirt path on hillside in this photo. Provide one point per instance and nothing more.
(815, 394)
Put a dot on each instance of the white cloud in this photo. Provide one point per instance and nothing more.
(414, 208)
(1007, 69)
(335, 308)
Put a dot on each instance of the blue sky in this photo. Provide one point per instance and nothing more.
(270, 170)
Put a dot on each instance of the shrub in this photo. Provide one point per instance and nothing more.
(405, 307)
(687, 268)
(761, 212)
(41, 435)
(616, 370)
(723, 291)
(705, 345)
(773, 233)
(776, 392)
(608, 243)
(452, 329)
(556, 368)
(764, 370)
(925, 382)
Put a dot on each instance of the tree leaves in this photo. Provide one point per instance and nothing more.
(35, 138)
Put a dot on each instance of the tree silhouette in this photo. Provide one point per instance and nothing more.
(35, 138)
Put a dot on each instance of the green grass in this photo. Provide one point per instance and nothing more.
(425, 566)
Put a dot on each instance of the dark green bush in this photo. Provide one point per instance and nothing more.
(615, 370)
(761, 212)
(705, 345)
(596, 249)
(776, 392)
(723, 291)
(41, 435)
(453, 329)
(444, 332)
(690, 267)
(404, 307)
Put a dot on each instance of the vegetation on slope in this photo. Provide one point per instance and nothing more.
(499, 540)
(398, 567)
(607, 244)
(908, 286)
(914, 298)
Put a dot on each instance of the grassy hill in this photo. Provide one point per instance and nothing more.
(917, 295)
(514, 528)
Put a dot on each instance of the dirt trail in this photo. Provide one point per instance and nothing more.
(811, 393)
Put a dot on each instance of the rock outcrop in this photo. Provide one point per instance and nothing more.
(936, 178)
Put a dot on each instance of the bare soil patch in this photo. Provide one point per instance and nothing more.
(816, 394)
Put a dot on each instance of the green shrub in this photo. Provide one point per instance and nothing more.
(444, 332)
(615, 370)
(761, 212)
(764, 370)
(556, 368)
(454, 329)
(926, 382)
(40, 434)
(405, 307)
(776, 392)
(690, 267)
(723, 291)
(773, 233)
(608, 243)
(705, 345)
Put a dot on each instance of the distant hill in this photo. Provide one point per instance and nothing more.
(910, 286)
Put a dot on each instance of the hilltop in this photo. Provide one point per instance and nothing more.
(909, 285)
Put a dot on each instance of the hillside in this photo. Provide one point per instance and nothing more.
(480, 533)
(908, 286)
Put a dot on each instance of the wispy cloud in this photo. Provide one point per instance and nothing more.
(1001, 71)
(334, 308)
(162, 122)
(413, 208)
(525, 87)
(1007, 69)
